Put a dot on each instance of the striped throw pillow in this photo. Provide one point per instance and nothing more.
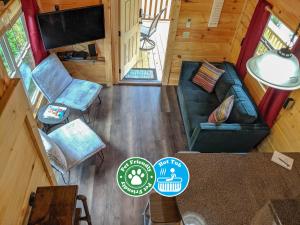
(221, 114)
(207, 76)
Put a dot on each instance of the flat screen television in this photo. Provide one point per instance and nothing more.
(74, 26)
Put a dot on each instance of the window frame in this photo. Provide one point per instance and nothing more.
(15, 63)
(7, 57)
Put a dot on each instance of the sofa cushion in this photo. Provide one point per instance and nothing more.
(243, 109)
(188, 70)
(228, 79)
(199, 113)
(207, 76)
(221, 114)
(192, 92)
(186, 84)
(196, 105)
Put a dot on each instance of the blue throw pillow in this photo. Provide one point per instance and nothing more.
(228, 79)
(243, 110)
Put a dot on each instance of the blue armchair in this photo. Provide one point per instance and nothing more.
(70, 145)
(58, 86)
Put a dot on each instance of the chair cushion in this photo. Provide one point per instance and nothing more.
(80, 94)
(144, 30)
(228, 79)
(243, 110)
(55, 155)
(207, 76)
(77, 141)
(221, 114)
(51, 77)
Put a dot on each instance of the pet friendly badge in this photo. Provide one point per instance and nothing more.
(172, 176)
(136, 176)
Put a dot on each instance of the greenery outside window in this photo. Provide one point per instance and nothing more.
(17, 57)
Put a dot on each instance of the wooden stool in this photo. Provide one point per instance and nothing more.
(57, 205)
(163, 210)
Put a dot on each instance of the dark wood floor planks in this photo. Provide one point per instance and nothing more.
(133, 121)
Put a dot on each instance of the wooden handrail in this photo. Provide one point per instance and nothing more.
(274, 39)
(151, 8)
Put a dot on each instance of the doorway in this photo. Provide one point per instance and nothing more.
(143, 41)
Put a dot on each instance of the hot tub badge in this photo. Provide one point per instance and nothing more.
(172, 176)
(136, 176)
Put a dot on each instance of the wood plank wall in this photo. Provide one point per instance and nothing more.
(285, 133)
(212, 44)
(23, 161)
(99, 70)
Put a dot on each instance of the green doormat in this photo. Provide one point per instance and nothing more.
(141, 74)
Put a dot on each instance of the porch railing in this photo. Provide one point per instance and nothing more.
(150, 8)
(270, 41)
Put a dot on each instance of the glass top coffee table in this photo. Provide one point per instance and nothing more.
(59, 115)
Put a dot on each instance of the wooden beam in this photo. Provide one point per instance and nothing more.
(174, 15)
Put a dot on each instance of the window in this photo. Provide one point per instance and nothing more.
(17, 56)
(275, 36)
(6, 65)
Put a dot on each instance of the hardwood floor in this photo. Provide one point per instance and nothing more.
(132, 121)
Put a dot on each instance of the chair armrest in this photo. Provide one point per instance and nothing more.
(210, 137)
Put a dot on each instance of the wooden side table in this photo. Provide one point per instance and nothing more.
(56, 205)
(48, 123)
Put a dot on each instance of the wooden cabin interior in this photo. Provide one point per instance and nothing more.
(87, 84)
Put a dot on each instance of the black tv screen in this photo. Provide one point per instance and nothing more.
(74, 26)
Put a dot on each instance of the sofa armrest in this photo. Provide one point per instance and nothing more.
(233, 127)
(210, 137)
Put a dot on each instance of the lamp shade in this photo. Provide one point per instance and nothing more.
(275, 71)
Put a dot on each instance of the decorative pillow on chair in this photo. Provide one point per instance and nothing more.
(55, 155)
(207, 76)
(221, 114)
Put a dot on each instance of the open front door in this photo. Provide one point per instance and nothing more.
(130, 35)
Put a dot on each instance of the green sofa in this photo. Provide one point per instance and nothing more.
(240, 133)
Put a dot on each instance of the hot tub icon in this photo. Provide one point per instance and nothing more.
(167, 185)
(172, 177)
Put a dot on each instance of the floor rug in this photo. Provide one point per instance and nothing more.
(141, 74)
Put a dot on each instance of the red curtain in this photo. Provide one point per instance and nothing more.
(271, 104)
(30, 9)
(253, 36)
(273, 100)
